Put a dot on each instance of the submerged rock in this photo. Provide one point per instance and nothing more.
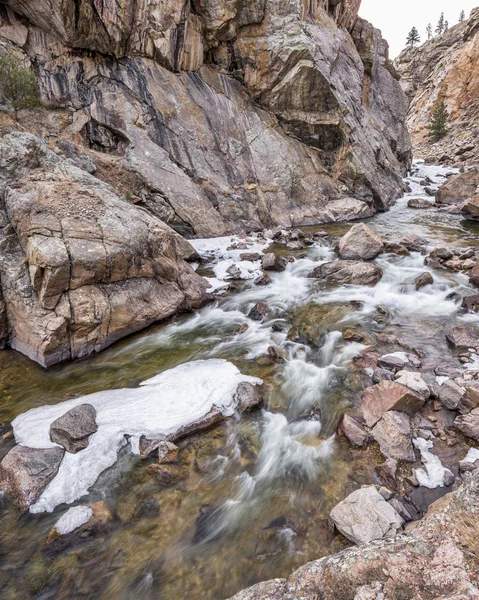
(259, 312)
(73, 429)
(388, 395)
(365, 516)
(360, 243)
(423, 279)
(351, 272)
(26, 472)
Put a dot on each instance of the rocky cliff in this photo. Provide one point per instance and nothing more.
(234, 115)
(445, 68)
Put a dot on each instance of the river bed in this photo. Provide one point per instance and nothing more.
(248, 500)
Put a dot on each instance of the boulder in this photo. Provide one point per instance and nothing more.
(26, 472)
(470, 208)
(264, 279)
(415, 382)
(474, 275)
(423, 279)
(419, 203)
(167, 452)
(73, 429)
(387, 472)
(398, 360)
(259, 312)
(354, 431)
(248, 397)
(460, 337)
(388, 395)
(458, 188)
(450, 394)
(360, 243)
(470, 303)
(273, 262)
(365, 516)
(469, 401)
(468, 424)
(344, 272)
(380, 374)
(393, 434)
(412, 242)
(250, 256)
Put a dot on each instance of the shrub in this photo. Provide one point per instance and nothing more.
(18, 86)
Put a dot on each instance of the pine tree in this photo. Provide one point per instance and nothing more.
(446, 26)
(462, 16)
(413, 37)
(429, 31)
(438, 123)
(440, 25)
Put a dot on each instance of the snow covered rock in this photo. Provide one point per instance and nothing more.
(365, 516)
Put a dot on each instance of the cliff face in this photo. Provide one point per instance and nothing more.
(445, 68)
(234, 115)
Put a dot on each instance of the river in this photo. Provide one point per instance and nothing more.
(249, 500)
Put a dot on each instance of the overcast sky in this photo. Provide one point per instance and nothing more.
(396, 19)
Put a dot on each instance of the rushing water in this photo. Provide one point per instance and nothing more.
(249, 500)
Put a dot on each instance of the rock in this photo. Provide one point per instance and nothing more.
(382, 375)
(405, 510)
(78, 254)
(360, 243)
(385, 396)
(398, 360)
(468, 424)
(441, 253)
(77, 525)
(414, 382)
(393, 434)
(365, 516)
(395, 248)
(419, 203)
(387, 472)
(233, 272)
(264, 279)
(412, 242)
(474, 275)
(149, 446)
(459, 337)
(276, 354)
(243, 328)
(470, 208)
(26, 472)
(450, 394)
(248, 397)
(167, 452)
(352, 336)
(460, 188)
(470, 303)
(354, 431)
(251, 256)
(273, 262)
(423, 279)
(469, 401)
(259, 312)
(351, 272)
(73, 429)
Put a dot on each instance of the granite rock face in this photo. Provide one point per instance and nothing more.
(235, 115)
(81, 267)
(445, 68)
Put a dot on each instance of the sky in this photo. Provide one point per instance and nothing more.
(396, 18)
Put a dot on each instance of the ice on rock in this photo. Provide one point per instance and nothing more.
(472, 455)
(74, 517)
(161, 406)
(433, 476)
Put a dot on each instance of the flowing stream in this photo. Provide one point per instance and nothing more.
(249, 500)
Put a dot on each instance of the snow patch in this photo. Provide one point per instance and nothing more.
(74, 517)
(160, 407)
(433, 476)
(472, 455)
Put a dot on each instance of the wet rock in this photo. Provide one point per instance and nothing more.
(412, 242)
(272, 262)
(248, 397)
(468, 424)
(398, 360)
(352, 336)
(242, 329)
(441, 253)
(415, 382)
(386, 396)
(360, 243)
(167, 452)
(251, 256)
(474, 275)
(387, 472)
(450, 394)
(73, 429)
(382, 375)
(365, 516)
(459, 337)
(351, 272)
(77, 525)
(26, 472)
(354, 431)
(276, 354)
(470, 303)
(393, 434)
(264, 279)
(395, 248)
(259, 312)
(423, 279)
(366, 360)
(419, 203)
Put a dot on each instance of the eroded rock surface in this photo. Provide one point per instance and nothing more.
(349, 272)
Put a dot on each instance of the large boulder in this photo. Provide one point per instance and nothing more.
(360, 243)
(469, 424)
(81, 267)
(470, 208)
(388, 395)
(365, 516)
(393, 434)
(26, 472)
(350, 272)
(459, 188)
(460, 337)
(73, 429)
